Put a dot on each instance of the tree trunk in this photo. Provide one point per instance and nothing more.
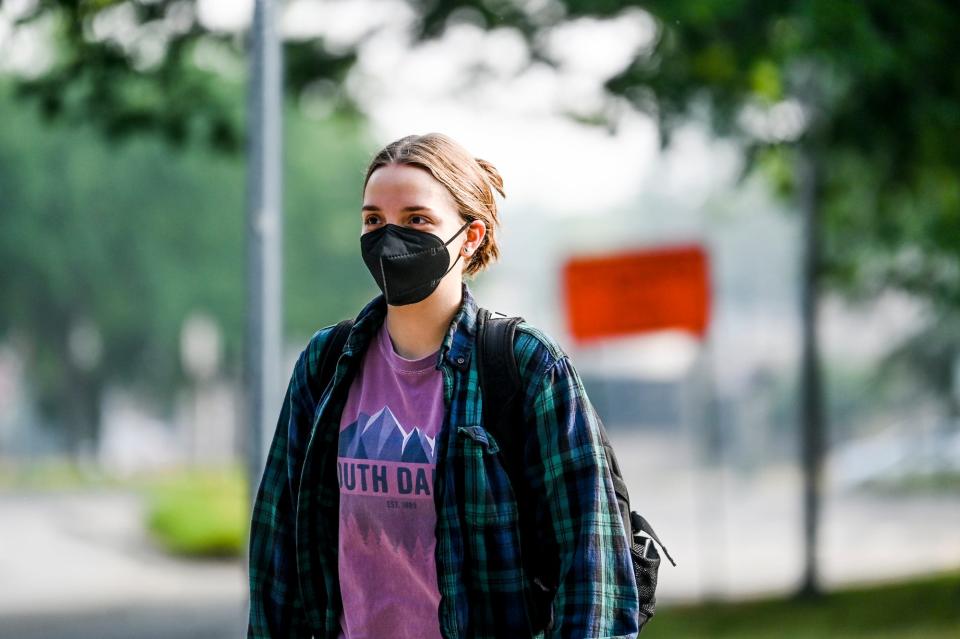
(811, 393)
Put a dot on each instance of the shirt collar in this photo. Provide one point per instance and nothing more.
(457, 345)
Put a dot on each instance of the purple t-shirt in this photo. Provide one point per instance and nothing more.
(386, 470)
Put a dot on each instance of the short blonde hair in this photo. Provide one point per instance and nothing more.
(469, 180)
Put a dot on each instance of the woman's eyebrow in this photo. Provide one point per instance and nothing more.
(406, 209)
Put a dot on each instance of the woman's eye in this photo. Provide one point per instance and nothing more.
(370, 219)
(422, 219)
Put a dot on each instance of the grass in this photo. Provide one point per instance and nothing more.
(925, 608)
(199, 512)
(943, 482)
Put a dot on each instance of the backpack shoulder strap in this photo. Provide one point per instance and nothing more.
(332, 350)
(500, 384)
(501, 390)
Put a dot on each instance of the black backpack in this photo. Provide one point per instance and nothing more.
(501, 391)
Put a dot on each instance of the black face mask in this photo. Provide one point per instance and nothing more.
(407, 264)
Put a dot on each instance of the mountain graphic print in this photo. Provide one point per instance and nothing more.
(380, 436)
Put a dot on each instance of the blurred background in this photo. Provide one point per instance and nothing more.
(796, 444)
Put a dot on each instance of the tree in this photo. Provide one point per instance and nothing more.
(874, 76)
(107, 247)
(149, 66)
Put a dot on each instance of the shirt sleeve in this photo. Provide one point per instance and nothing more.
(577, 511)
(276, 609)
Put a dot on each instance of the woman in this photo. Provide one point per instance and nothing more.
(384, 510)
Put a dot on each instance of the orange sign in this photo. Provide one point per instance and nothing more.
(638, 291)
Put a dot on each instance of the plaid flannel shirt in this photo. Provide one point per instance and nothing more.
(294, 583)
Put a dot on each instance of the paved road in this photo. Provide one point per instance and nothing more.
(183, 621)
(80, 565)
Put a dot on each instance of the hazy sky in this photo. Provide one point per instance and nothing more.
(512, 121)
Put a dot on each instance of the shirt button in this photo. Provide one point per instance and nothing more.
(460, 360)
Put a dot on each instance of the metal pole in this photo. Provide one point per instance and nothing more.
(711, 506)
(263, 383)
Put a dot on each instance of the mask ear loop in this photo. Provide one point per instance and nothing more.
(458, 253)
(458, 232)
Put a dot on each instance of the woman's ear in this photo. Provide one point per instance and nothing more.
(474, 245)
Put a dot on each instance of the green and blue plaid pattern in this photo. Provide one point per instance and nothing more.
(294, 585)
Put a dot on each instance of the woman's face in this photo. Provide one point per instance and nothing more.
(409, 196)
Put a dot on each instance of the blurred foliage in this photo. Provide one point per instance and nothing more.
(925, 608)
(931, 356)
(200, 511)
(126, 239)
(868, 88)
(867, 91)
(131, 67)
(877, 97)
